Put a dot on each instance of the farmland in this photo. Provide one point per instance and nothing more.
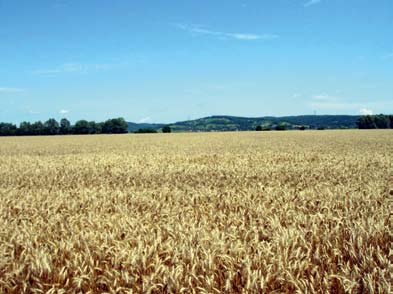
(199, 212)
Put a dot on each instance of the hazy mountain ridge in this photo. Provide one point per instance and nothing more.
(132, 127)
(234, 123)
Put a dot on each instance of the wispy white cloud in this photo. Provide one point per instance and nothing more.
(199, 30)
(365, 111)
(46, 71)
(311, 2)
(33, 112)
(63, 111)
(10, 90)
(109, 65)
(327, 102)
(64, 68)
(388, 56)
(72, 67)
(75, 67)
(104, 66)
(324, 101)
(333, 105)
(324, 97)
(249, 36)
(296, 95)
(145, 119)
(60, 4)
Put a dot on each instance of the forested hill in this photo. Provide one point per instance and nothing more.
(207, 124)
(233, 123)
(132, 127)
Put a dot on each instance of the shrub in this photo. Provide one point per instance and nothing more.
(281, 127)
(145, 131)
(167, 129)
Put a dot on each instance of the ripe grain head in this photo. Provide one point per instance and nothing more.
(212, 212)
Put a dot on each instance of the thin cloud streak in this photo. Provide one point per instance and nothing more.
(312, 2)
(365, 111)
(65, 68)
(225, 35)
(33, 112)
(334, 105)
(10, 90)
(326, 102)
(145, 119)
(388, 56)
(69, 68)
(324, 97)
(296, 95)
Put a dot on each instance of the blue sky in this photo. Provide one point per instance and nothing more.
(165, 61)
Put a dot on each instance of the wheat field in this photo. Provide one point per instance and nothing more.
(246, 212)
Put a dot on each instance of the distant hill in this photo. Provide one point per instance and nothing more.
(233, 123)
(132, 127)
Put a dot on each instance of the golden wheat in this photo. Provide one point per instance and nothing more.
(197, 213)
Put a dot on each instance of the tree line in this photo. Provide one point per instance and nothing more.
(119, 126)
(64, 127)
(379, 121)
(165, 129)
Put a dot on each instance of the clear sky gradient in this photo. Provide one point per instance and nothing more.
(165, 61)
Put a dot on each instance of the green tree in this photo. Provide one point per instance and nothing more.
(25, 129)
(166, 129)
(366, 122)
(107, 127)
(37, 128)
(95, 128)
(51, 127)
(258, 128)
(119, 126)
(382, 121)
(81, 127)
(391, 121)
(115, 126)
(99, 127)
(145, 131)
(65, 126)
(361, 122)
(8, 129)
(281, 127)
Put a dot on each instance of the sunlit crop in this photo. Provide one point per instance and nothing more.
(249, 212)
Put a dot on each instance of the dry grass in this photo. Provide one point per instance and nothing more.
(207, 213)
